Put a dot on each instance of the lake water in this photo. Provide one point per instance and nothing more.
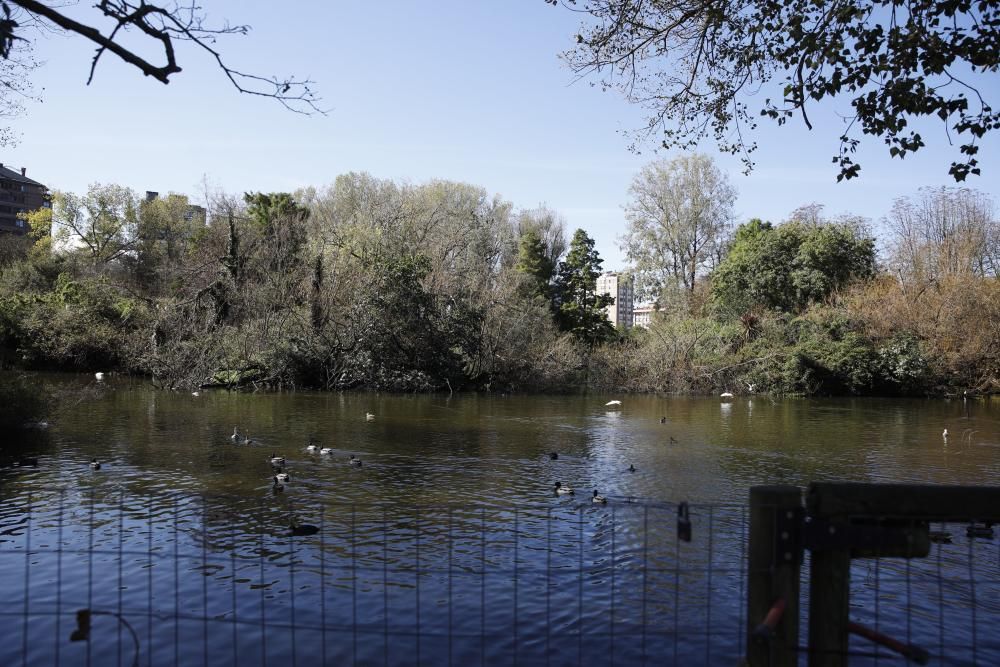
(448, 545)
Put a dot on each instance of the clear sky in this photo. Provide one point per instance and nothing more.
(470, 91)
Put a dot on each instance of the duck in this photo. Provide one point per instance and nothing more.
(277, 486)
(663, 420)
(944, 434)
(326, 450)
(553, 455)
(282, 477)
(673, 440)
(563, 490)
(631, 468)
(236, 437)
(302, 529)
(599, 499)
(354, 461)
(248, 440)
(369, 417)
(95, 464)
(277, 461)
(312, 446)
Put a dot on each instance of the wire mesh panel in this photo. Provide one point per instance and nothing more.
(159, 579)
(175, 579)
(945, 604)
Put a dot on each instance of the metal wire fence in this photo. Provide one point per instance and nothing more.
(154, 578)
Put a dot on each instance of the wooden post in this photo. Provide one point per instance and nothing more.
(829, 604)
(772, 574)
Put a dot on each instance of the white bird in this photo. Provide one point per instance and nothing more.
(194, 393)
(600, 500)
(726, 394)
(236, 437)
(369, 417)
(282, 477)
(945, 434)
(613, 403)
(563, 490)
(326, 450)
(99, 376)
(277, 461)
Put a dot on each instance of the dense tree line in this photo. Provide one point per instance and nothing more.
(368, 283)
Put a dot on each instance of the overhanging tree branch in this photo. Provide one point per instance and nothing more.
(164, 24)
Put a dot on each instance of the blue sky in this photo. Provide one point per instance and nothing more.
(470, 91)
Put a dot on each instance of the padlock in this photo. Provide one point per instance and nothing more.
(683, 522)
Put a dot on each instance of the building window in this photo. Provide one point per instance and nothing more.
(20, 223)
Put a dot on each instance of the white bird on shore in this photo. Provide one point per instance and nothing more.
(99, 376)
(613, 403)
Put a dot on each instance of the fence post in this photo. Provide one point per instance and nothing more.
(772, 575)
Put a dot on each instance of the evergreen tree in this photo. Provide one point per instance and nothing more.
(580, 309)
(534, 264)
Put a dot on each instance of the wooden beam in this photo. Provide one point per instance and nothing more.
(772, 575)
(917, 501)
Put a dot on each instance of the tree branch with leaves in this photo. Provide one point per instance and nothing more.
(697, 65)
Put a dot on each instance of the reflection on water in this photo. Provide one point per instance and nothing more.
(448, 541)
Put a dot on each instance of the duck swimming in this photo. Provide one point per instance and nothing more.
(282, 477)
(326, 450)
(236, 437)
(563, 490)
(303, 529)
(95, 464)
(354, 461)
(631, 468)
(277, 486)
(312, 446)
(277, 461)
(599, 499)
(553, 455)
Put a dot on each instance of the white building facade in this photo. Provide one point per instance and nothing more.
(620, 286)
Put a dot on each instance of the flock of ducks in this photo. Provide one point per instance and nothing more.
(280, 477)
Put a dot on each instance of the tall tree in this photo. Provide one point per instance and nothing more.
(697, 67)
(534, 264)
(679, 214)
(944, 231)
(103, 222)
(790, 266)
(581, 310)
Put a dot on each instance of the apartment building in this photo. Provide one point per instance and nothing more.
(18, 194)
(620, 286)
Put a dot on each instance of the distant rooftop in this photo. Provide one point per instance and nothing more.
(18, 176)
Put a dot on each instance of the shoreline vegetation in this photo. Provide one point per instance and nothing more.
(371, 284)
